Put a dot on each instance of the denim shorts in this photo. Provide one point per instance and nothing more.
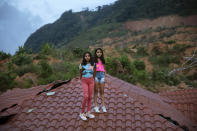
(100, 77)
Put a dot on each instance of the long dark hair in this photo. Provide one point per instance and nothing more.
(96, 57)
(84, 62)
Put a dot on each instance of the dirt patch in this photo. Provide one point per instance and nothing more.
(111, 51)
(107, 40)
(53, 60)
(35, 61)
(159, 46)
(187, 29)
(189, 52)
(167, 21)
(3, 65)
(4, 61)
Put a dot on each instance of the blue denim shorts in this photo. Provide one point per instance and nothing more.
(100, 77)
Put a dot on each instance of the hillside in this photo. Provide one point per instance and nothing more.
(142, 55)
(72, 25)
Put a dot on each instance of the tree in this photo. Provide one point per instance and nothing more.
(189, 63)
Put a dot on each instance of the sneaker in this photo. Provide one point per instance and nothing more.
(83, 116)
(88, 114)
(104, 109)
(96, 109)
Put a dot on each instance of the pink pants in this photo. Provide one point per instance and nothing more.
(88, 86)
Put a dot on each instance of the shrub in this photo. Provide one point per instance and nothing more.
(7, 81)
(21, 70)
(161, 75)
(65, 70)
(10, 66)
(142, 51)
(21, 50)
(4, 55)
(170, 42)
(21, 59)
(119, 33)
(45, 69)
(110, 65)
(192, 77)
(78, 52)
(141, 76)
(164, 60)
(28, 83)
(58, 71)
(172, 80)
(124, 60)
(40, 56)
(46, 49)
(180, 48)
(158, 75)
(139, 65)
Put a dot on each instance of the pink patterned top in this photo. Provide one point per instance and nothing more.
(100, 67)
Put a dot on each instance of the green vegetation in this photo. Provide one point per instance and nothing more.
(21, 57)
(87, 26)
(65, 66)
(161, 76)
(91, 36)
(170, 42)
(7, 81)
(22, 63)
(131, 71)
(60, 46)
(21, 70)
(4, 55)
(141, 51)
(164, 60)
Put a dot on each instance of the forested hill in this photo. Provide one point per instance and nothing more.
(71, 24)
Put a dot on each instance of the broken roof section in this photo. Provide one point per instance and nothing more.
(184, 101)
(129, 108)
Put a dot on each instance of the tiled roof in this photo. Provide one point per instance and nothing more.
(129, 108)
(184, 101)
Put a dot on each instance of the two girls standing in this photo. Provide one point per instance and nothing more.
(92, 75)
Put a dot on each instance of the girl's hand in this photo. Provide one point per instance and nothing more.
(107, 83)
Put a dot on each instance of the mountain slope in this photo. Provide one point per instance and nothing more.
(70, 24)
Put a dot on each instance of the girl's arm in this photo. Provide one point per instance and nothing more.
(80, 71)
(106, 78)
(80, 74)
(94, 71)
(105, 74)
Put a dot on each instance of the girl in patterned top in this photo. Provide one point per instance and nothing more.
(99, 78)
(87, 73)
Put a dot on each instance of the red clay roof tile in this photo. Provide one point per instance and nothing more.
(129, 108)
(184, 101)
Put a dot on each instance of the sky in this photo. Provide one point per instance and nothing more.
(20, 18)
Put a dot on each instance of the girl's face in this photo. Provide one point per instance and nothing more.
(87, 57)
(99, 53)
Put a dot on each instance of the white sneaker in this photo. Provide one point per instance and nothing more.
(83, 116)
(88, 114)
(104, 109)
(96, 108)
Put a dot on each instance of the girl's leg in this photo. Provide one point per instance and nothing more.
(102, 93)
(96, 93)
(85, 94)
(90, 91)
